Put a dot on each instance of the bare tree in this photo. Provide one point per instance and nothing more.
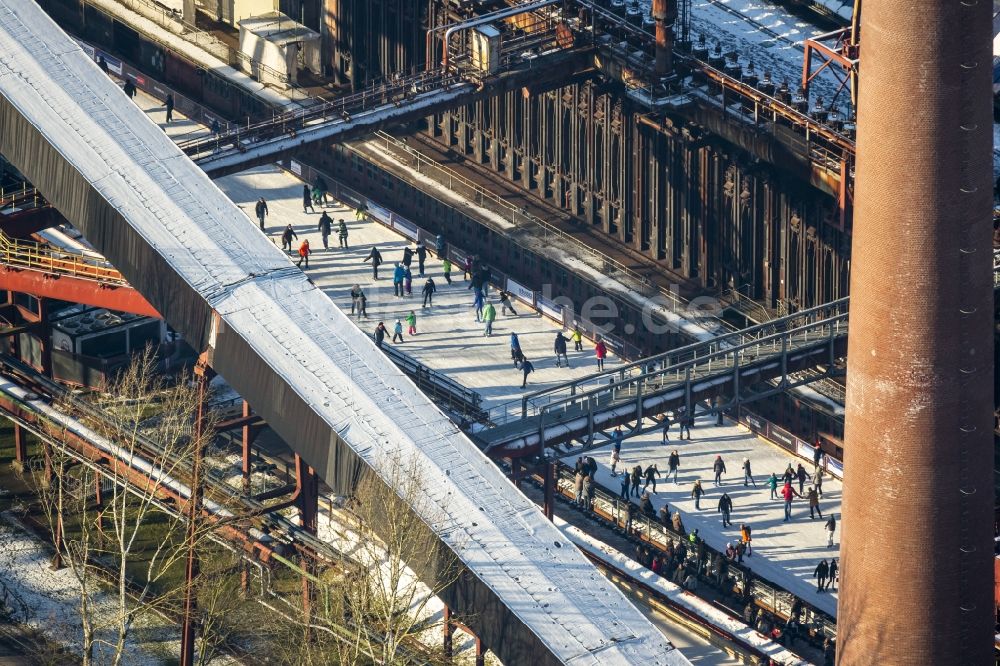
(393, 547)
(136, 535)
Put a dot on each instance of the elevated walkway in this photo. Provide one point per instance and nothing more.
(528, 593)
(398, 101)
(674, 380)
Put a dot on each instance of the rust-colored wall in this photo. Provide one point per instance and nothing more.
(917, 539)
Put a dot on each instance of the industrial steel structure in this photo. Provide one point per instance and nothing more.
(680, 157)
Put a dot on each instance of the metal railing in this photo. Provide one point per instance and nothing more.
(709, 357)
(481, 196)
(37, 256)
(444, 389)
(21, 198)
(290, 123)
(740, 580)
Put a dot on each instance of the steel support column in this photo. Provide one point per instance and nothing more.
(20, 445)
(204, 377)
(548, 506)
(448, 631)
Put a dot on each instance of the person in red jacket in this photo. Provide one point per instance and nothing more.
(601, 350)
(788, 493)
(304, 253)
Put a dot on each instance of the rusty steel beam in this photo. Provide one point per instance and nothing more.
(76, 290)
(918, 484)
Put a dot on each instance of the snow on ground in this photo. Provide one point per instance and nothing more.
(448, 338)
(785, 553)
(53, 596)
(767, 35)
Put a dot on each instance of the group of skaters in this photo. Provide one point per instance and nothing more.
(526, 367)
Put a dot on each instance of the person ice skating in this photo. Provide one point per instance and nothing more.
(801, 475)
(397, 279)
(725, 508)
(505, 303)
(673, 464)
(601, 352)
(261, 210)
(304, 253)
(379, 334)
(307, 202)
(484, 279)
(397, 331)
(363, 306)
(677, 523)
(617, 437)
(421, 258)
(489, 316)
(683, 425)
(103, 64)
(787, 493)
(286, 238)
(319, 185)
(129, 89)
(666, 428)
(560, 349)
(650, 474)
(696, 493)
(817, 455)
(577, 337)
(747, 474)
(407, 256)
(636, 479)
(664, 515)
(789, 474)
(429, 289)
(646, 505)
(170, 107)
(832, 576)
(813, 503)
(613, 461)
(818, 481)
(478, 303)
(467, 267)
(342, 233)
(772, 483)
(830, 527)
(376, 258)
(446, 267)
(527, 368)
(325, 228)
(719, 467)
(746, 538)
(407, 280)
(439, 246)
(515, 348)
(821, 573)
(411, 323)
(355, 294)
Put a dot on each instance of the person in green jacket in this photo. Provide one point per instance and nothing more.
(772, 483)
(411, 323)
(489, 314)
(446, 265)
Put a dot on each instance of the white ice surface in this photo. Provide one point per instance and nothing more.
(448, 338)
(785, 553)
(500, 535)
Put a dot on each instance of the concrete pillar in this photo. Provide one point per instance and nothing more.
(918, 487)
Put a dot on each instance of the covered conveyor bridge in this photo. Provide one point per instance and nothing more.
(527, 592)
